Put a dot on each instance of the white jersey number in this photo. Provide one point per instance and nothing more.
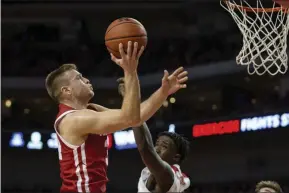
(106, 145)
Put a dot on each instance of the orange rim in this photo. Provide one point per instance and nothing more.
(250, 9)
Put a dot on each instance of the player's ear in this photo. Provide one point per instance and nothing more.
(177, 158)
(65, 89)
(120, 80)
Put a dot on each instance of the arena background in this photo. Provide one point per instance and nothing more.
(250, 144)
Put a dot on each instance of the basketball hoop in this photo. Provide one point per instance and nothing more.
(264, 33)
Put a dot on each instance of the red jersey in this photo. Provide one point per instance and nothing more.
(82, 168)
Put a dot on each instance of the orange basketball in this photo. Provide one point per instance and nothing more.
(123, 30)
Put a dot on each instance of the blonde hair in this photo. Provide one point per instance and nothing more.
(268, 184)
(53, 80)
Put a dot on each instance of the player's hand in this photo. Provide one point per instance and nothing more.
(92, 106)
(96, 107)
(129, 60)
(174, 82)
(121, 88)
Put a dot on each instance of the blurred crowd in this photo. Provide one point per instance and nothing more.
(38, 50)
(35, 52)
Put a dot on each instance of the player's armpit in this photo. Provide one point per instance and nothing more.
(88, 121)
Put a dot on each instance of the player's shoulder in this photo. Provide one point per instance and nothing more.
(176, 168)
(181, 182)
(79, 114)
(74, 118)
(68, 116)
(145, 171)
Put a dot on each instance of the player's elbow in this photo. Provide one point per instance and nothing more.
(136, 120)
(137, 123)
(132, 120)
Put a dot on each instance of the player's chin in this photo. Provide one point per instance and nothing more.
(91, 93)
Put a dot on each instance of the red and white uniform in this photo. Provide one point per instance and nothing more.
(82, 168)
(181, 181)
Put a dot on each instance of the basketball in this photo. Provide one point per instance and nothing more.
(122, 31)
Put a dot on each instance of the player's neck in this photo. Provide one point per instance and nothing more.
(75, 104)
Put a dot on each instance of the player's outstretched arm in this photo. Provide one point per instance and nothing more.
(88, 121)
(170, 84)
(129, 63)
(161, 170)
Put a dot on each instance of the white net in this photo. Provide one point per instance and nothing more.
(264, 36)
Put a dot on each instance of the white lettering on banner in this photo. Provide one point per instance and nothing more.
(285, 120)
(264, 122)
(124, 140)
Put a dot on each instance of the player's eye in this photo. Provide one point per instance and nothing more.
(78, 77)
(163, 146)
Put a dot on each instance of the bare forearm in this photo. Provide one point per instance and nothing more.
(152, 104)
(158, 168)
(146, 148)
(143, 137)
(131, 101)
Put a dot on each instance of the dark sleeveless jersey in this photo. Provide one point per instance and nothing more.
(82, 168)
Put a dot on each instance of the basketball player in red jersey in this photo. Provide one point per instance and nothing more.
(82, 127)
(163, 173)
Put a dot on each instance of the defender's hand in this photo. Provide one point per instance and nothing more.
(129, 60)
(96, 107)
(174, 82)
(92, 106)
(121, 88)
